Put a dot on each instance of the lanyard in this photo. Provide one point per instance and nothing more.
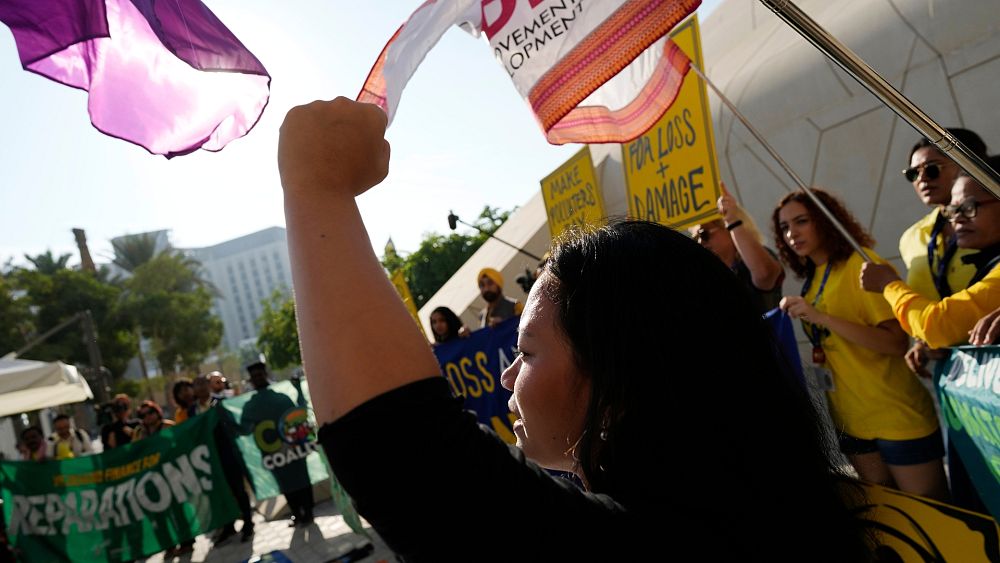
(940, 274)
(814, 332)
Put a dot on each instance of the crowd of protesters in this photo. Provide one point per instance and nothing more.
(871, 330)
(190, 398)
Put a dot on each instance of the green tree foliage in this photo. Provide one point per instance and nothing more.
(440, 256)
(56, 295)
(47, 263)
(16, 320)
(279, 335)
(172, 306)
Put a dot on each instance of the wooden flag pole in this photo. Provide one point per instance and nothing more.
(784, 165)
(897, 102)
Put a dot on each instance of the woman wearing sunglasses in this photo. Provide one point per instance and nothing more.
(883, 415)
(934, 266)
(151, 416)
(975, 218)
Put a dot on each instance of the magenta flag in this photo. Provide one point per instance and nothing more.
(167, 76)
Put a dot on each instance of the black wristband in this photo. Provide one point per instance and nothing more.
(734, 224)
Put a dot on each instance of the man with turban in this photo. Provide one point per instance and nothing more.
(499, 307)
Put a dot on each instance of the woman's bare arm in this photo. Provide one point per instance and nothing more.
(357, 338)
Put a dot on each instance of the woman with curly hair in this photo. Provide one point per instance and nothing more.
(883, 415)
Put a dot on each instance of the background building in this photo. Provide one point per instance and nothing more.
(245, 271)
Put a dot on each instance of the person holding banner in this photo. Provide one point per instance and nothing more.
(33, 446)
(446, 325)
(884, 416)
(986, 330)
(151, 415)
(263, 416)
(975, 218)
(616, 386)
(737, 242)
(499, 307)
(934, 263)
(68, 442)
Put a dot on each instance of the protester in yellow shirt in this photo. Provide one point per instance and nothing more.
(67, 442)
(884, 416)
(976, 221)
(934, 266)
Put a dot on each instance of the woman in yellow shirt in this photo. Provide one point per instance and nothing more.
(976, 220)
(934, 263)
(883, 415)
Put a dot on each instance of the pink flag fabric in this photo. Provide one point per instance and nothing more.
(595, 72)
(168, 76)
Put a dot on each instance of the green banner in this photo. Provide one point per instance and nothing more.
(969, 386)
(278, 438)
(126, 503)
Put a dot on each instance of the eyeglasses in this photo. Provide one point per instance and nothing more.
(931, 171)
(704, 235)
(968, 209)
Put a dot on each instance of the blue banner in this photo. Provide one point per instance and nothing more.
(969, 387)
(473, 366)
(784, 336)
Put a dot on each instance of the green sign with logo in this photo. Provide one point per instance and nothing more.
(124, 504)
(969, 386)
(278, 438)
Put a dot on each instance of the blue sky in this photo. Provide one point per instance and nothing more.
(462, 139)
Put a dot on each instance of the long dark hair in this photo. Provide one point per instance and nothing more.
(692, 409)
(453, 322)
(833, 242)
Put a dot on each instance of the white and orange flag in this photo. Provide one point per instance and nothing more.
(601, 71)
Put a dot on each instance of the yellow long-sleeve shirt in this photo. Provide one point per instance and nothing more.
(946, 322)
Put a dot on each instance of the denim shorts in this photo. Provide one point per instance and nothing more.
(896, 452)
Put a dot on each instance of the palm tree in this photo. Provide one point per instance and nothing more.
(47, 263)
(132, 251)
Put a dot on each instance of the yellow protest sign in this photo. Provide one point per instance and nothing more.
(572, 195)
(404, 292)
(917, 529)
(671, 172)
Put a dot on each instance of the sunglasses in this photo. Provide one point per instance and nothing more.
(931, 171)
(968, 209)
(704, 235)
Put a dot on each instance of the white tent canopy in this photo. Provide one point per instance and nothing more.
(28, 385)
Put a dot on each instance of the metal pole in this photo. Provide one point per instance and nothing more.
(897, 102)
(521, 250)
(781, 162)
(24, 349)
(90, 338)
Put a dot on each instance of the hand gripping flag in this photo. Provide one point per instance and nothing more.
(167, 76)
(593, 72)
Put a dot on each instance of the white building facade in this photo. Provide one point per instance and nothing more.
(245, 271)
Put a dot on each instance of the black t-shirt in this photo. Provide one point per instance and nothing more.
(117, 428)
(439, 487)
(763, 299)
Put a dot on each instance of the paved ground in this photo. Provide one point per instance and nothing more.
(326, 540)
